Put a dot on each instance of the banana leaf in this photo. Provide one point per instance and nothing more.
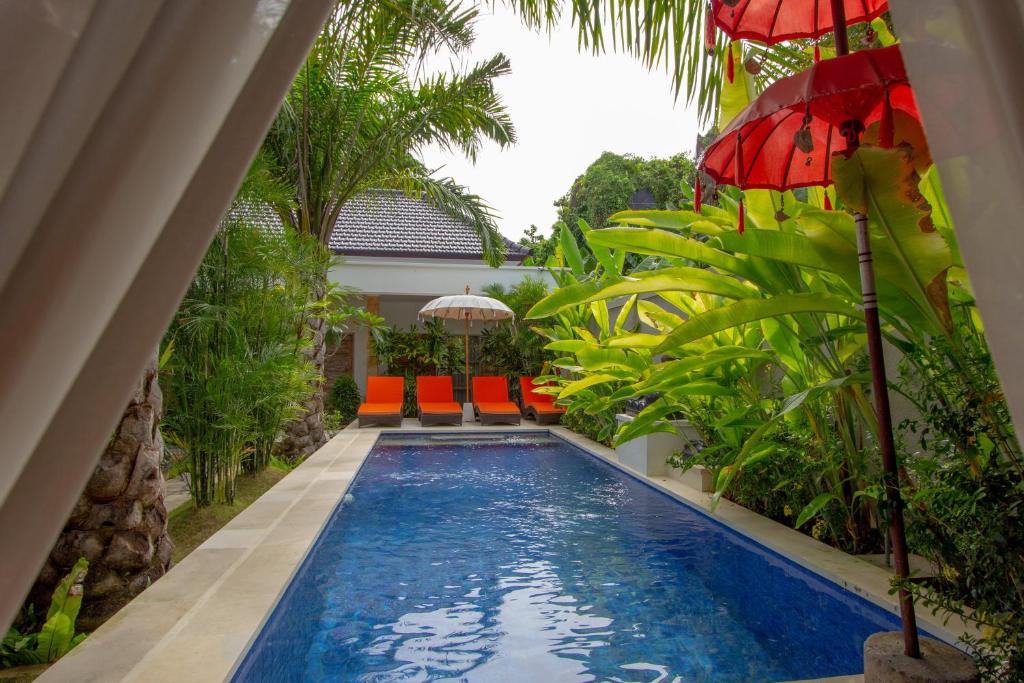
(751, 310)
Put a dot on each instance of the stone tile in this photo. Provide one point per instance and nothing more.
(110, 652)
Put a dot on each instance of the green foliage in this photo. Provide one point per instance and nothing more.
(606, 187)
(422, 350)
(764, 352)
(57, 635)
(361, 109)
(344, 399)
(511, 348)
(972, 525)
(238, 370)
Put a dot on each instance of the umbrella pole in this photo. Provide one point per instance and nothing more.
(468, 399)
(897, 532)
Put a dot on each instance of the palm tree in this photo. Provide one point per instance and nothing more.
(119, 522)
(360, 110)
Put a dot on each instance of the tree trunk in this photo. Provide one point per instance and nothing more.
(119, 523)
(306, 434)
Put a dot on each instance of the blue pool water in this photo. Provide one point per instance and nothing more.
(520, 558)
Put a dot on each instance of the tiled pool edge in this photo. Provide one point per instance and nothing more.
(197, 622)
(847, 571)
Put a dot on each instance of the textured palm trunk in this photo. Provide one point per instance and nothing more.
(119, 523)
(306, 434)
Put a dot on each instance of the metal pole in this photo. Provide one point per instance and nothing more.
(897, 533)
(839, 23)
(468, 399)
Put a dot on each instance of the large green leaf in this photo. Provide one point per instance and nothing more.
(649, 420)
(751, 310)
(664, 243)
(797, 400)
(638, 341)
(665, 376)
(596, 358)
(679, 279)
(735, 95)
(675, 220)
(931, 188)
(682, 278)
(585, 383)
(562, 298)
(602, 254)
(883, 184)
(813, 508)
(57, 635)
(571, 251)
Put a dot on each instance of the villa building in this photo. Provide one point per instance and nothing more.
(400, 252)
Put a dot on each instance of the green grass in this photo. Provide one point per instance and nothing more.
(189, 526)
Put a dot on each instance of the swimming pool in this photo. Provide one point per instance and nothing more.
(521, 558)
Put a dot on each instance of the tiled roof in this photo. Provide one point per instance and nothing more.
(389, 223)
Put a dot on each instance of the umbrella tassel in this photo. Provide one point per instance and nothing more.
(737, 162)
(697, 193)
(741, 223)
(709, 30)
(817, 54)
(828, 202)
(886, 131)
(730, 67)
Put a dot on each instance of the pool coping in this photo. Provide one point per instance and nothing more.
(197, 622)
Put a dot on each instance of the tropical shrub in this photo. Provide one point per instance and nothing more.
(510, 347)
(606, 187)
(757, 338)
(344, 399)
(234, 365)
(56, 636)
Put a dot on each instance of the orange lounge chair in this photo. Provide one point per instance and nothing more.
(540, 407)
(490, 401)
(435, 401)
(383, 404)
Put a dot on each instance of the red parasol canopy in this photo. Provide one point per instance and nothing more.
(772, 21)
(786, 137)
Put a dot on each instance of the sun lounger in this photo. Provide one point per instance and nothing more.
(435, 401)
(540, 407)
(383, 404)
(490, 401)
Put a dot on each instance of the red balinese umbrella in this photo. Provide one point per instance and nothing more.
(785, 139)
(773, 21)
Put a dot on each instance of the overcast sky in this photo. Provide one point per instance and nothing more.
(567, 108)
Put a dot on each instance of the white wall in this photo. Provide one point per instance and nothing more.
(427, 277)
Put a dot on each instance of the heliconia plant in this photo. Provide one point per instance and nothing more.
(760, 333)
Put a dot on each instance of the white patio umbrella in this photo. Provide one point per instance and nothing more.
(466, 307)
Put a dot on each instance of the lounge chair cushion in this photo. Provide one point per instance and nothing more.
(383, 389)
(380, 408)
(489, 390)
(431, 389)
(500, 407)
(441, 407)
